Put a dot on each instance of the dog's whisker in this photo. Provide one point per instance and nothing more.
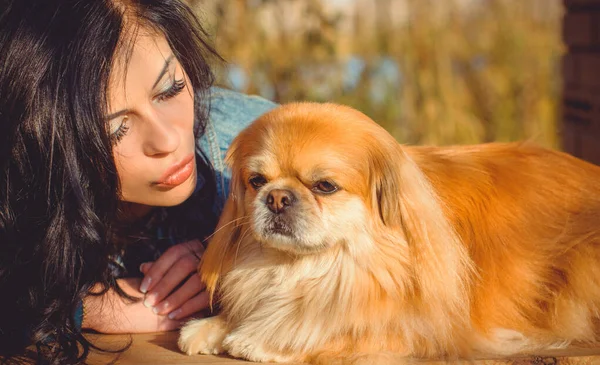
(230, 242)
(227, 225)
(239, 243)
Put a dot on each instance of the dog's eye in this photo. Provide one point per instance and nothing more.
(257, 181)
(324, 187)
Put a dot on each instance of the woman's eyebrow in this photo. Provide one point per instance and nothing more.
(117, 114)
(164, 70)
(160, 76)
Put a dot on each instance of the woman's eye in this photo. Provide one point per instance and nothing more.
(325, 187)
(175, 89)
(257, 181)
(118, 129)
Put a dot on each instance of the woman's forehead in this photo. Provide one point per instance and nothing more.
(139, 47)
(138, 63)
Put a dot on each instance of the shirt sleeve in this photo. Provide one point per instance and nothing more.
(230, 113)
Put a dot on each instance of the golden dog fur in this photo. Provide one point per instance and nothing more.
(431, 252)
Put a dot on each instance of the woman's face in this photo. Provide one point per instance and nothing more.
(151, 118)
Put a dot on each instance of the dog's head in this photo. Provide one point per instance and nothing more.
(310, 176)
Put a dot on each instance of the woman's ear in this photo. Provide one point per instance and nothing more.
(219, 254)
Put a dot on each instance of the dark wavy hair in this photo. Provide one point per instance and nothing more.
(59, 189)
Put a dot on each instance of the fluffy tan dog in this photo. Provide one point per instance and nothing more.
(339, 245)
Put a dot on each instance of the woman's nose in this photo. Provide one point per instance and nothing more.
(161, 135)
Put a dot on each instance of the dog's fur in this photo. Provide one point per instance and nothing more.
(436, 252)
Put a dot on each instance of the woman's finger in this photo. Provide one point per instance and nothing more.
(173, 278)
(159, 268)
(144, 267)
(191, 288)
(194, 305)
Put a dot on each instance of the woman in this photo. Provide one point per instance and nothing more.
(111, 155)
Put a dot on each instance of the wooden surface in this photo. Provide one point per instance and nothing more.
(158, 348)
(162, 349)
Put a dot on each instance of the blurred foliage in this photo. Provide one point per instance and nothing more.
(429, 71)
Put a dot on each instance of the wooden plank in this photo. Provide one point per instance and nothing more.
(162, 349)
(156, 348)
(579, 29)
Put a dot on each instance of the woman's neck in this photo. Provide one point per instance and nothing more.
(131, 212)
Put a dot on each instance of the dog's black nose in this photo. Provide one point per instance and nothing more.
(278, 200)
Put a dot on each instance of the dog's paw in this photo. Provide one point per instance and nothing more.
(203, 336)
(243, 347)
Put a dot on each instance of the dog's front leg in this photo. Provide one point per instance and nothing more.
(250, 346)
(203, 336)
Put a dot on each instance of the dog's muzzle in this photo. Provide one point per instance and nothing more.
(280, 202)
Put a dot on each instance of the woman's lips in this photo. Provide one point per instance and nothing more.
(178, 173)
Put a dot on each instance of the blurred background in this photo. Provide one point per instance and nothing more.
(429, 71)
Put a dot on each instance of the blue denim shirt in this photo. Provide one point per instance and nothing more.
(230, 113)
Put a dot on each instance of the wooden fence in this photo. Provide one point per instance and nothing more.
(581, 79)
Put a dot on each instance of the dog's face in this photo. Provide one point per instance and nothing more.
(302, 176)
(304, 199)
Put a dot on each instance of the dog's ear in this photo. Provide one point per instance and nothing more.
(233, 159)
(407, 203)
(218, 257)
(404, 197)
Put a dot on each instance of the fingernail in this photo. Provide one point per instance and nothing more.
(150, 300)
(162, 307)
(142, 267)
(145, 284)
(174, 314)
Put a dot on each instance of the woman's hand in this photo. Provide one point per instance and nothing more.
(110, 313)
(171, 283)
